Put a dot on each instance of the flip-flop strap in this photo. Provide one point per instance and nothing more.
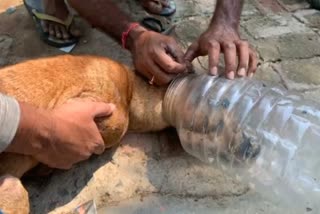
(43, 16)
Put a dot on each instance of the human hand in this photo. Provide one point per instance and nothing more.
(239, 58)
(63, 136)
(156, 56)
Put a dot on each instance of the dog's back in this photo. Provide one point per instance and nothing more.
(48, 82)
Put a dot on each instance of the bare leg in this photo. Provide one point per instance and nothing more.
(15, 164)
(155, 6)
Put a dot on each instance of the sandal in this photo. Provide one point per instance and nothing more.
(153, 24)
(35, 9)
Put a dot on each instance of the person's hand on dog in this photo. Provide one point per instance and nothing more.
(63, 136)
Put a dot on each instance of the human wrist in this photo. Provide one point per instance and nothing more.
(133, 35)
(227, 13)
(221, 28)
(225, 22)
(34, 130)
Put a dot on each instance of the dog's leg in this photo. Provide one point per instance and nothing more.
(15, 164)
(14, 197)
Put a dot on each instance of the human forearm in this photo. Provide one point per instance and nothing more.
(227, 12)
(32, 132)
(106, 16)
(9, 120)
(60, 137)
(155, 56)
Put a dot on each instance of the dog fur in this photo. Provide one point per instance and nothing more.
(50, 82)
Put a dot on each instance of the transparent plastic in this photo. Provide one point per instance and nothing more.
(263, 134)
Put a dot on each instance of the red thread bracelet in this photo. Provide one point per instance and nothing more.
(125, 34)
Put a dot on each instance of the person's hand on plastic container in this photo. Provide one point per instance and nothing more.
(225, 40)
(222, 36)
(157, 57)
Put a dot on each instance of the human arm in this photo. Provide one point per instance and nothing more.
(153, 54)
(59, 137)
(222, 35)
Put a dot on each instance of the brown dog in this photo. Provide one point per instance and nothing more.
(50, 82)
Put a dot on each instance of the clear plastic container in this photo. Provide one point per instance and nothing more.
(263, 134)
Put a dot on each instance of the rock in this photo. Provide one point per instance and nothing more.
(305, 71)
(274, 25)
(266, 73)
(291, 46)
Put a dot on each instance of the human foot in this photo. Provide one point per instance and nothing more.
(53, 22)
(58, 9)
(159, 7)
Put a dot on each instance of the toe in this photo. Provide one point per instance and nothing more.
(154, 7)
(45, 27)
(165, 3)
(57, 31)
(65, 34)
(51, 29)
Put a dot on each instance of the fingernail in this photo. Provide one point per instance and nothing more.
(214, 71)
(242, 72)
(231, 75)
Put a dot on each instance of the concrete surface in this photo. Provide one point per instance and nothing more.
(150, 173)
